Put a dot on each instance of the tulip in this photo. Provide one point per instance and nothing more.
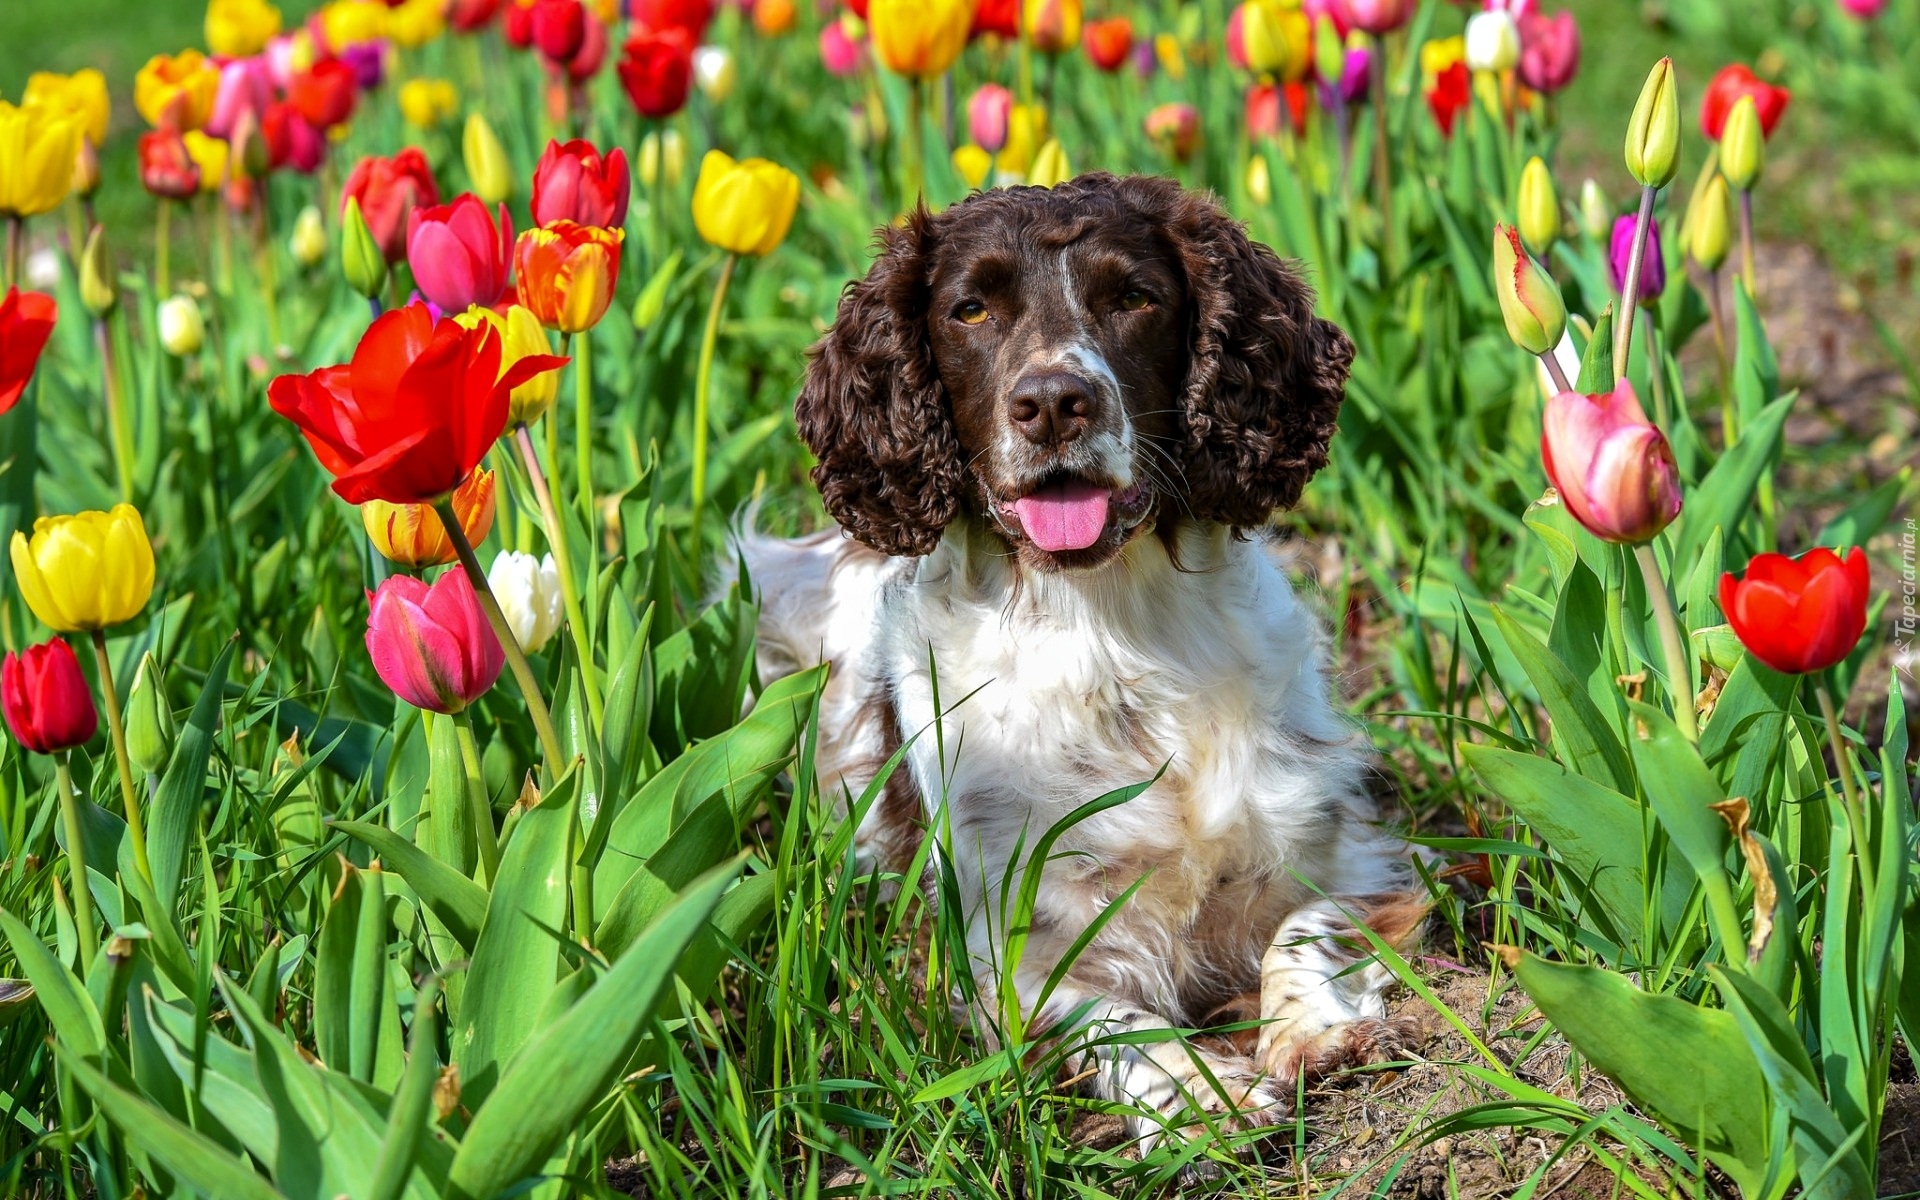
(521, 335)
(1653, 134)
(689, 17)
(1493, 41)
(559, 28)
(1379, 16)
(987, 114)
(1452, 90)
(1596, 211)
(426, 103)
(38, 147)
(432, 644)
(1354, 77)
(240, 28)
(246, 85)
(488, 169)
(82, 95)
(772, 18)
(209, 155)
(1653, 266)
(150, 727)
(26, 322)
(388, 190)
(919, 38)
(664, 146)
(1549, 51)
(517, 29)
(1709, 233)
(324, 94)
(1051, 26)
(88, 571)
(714, 72)
(1865, 10)
(530, 597)
(308, 243)
(1530, 300)
(181, 328)
(291, 139)
(471, 16)
(1169, 57)
(574, 182)
(744, 207)
(459, 255)
(1799, 615)
(567, 272)
(1026, 130)
(1743, 145)
(361, 262)
(1109, 42)
(176, 90)
(352, 22)
(972, 163)
(840, 51)
(1050, 167)
(412, 535)
(1259, 180)
(166, 169)
(1539, 208)
(657, 71)
(47, 701)
(1731, 83)
(1255, 40)
(1175, 128)
(413, 23)
(1612, 467)
(413, 414)
(1001, 18)
(366, 64)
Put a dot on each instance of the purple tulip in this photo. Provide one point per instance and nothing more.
(369, 63)
(1653, 268)
(1146, 60)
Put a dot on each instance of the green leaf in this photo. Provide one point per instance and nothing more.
(1580, 732)
(1596, 365)
(704, 840)
(333, 973)
(966, 1078)
(1682, 792)
(1725, 497)
(407, 1120)
(457, 900)
(1866, 516)
(176, 805)
(69, 1009)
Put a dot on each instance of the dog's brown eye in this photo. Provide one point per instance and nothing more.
(972, 312)
(1135, 300)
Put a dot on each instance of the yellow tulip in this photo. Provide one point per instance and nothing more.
(1166, 48)
(240, 28)
(88, 571)
(972, 163)
(1259, 180)
(346, 22)
(209, 153)
(1437, 55)
(1052, 26)
(412, 534)
(38, 147)
(919, 38)
(487, 166)
(83, 94)
(425, 103)
(415, 23)
(1026, 130)
(744, 207)
(1050, 167)
(520, 335)
(176, 89)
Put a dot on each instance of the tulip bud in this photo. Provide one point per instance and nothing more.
(1539, 208)
(1743, 146)
(96, 278)
(656, 147)
(181, 328)
(972, 163)
(1530, 300)
(714, 72)
(1259, 180)
(150, 727)
(1596, 211)
(1653, 134)
(1492, 41)
(1050, 168)
(309, 241)
(1710, 233)
(529, 595)
(1613, 469)
(486, 159)
(360, 258)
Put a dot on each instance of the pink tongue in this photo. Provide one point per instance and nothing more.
(1067, 516)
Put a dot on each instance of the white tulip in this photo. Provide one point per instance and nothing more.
(1493, 41)
(181, 327)
(713, 72)
(529, 596)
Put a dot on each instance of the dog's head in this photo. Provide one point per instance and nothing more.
(1069, 364)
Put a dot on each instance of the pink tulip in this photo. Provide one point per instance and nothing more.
(458, 255)
(1332, 10)
(840, 54)
(1613, 469)
(1549, 51)
(987, 115)
(1379, 16)
(1866, 10)
(432, 645)
(246, 85)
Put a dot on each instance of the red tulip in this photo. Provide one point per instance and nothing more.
(1612, 467)
(1108, 42)
(459, 256)
(48, 705)
(291, 139)
(324, 93)
(1549, 50)
(1729, 85)
(1000, 17)
(518, 27)
(468, 16)
(657, 71)
(431, 644)
(858, 8)
(1799, 615)
(1452, 91)
(26, 322)
(1263, 111)
(414, 412)
(1294, 92)
(587, 61)
(389, 189)
(688, 16)
(574, 182)
(166, 169)
(559, 28)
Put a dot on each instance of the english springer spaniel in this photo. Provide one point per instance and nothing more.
(1055, 423)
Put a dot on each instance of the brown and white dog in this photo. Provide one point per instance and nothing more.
(1055, 422)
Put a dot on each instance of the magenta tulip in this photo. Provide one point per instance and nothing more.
(1613, 469)
(1653, 264)
(1379, 16)
(432, 645)
(1866, 10)
(459, 256)
(840, 53)
(1549, 50)
(987, 116)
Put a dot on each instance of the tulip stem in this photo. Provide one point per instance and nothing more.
(1658, 376)
(76, 860)
(136, 828)
(1843, 763)
(1630, 286)
(488, 839)
(913, 148)
(1746, 243)
(118, 435)
(1552, 363)
(1382, 162)
(583, 424)
(563, 561)
(15, 226)
(516, 657)
(703, 389)
(1672, 644)
(1729, 418)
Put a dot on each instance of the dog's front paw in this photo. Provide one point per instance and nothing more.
(1293, 1053)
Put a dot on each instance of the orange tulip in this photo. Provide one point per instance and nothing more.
(567, 273)
(412, 535)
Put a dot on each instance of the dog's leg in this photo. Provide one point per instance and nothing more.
(1323, 992)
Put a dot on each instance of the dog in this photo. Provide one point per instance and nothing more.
(1053, 425)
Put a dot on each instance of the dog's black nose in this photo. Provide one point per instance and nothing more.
(1052, 406)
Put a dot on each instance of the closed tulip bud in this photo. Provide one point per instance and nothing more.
(38, 145)
(460, 254)
(521, 334)
(972, 163)
(745, 207)
(1743, 146)
(1710, 233)
(150, 725)
(1050, 166)
(1539, 208)
(84, 572)
(663, 149)
(413, 535)
(1493, 41)
(360, 258)
(1530, 300)
(26, 322)
(488, 169)
(48, 705)
(433, 645)
(1613, 469)
(1653, 263)
(1259, 180)
(181, 328)
(652, 300)
(97, 292)
(1596, 211)
(1653, 133)
(714, 72)
(987, 115)
(530, 597)
(309, 241)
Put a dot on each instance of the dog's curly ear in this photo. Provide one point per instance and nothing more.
(873, 409)
(1264, 389)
